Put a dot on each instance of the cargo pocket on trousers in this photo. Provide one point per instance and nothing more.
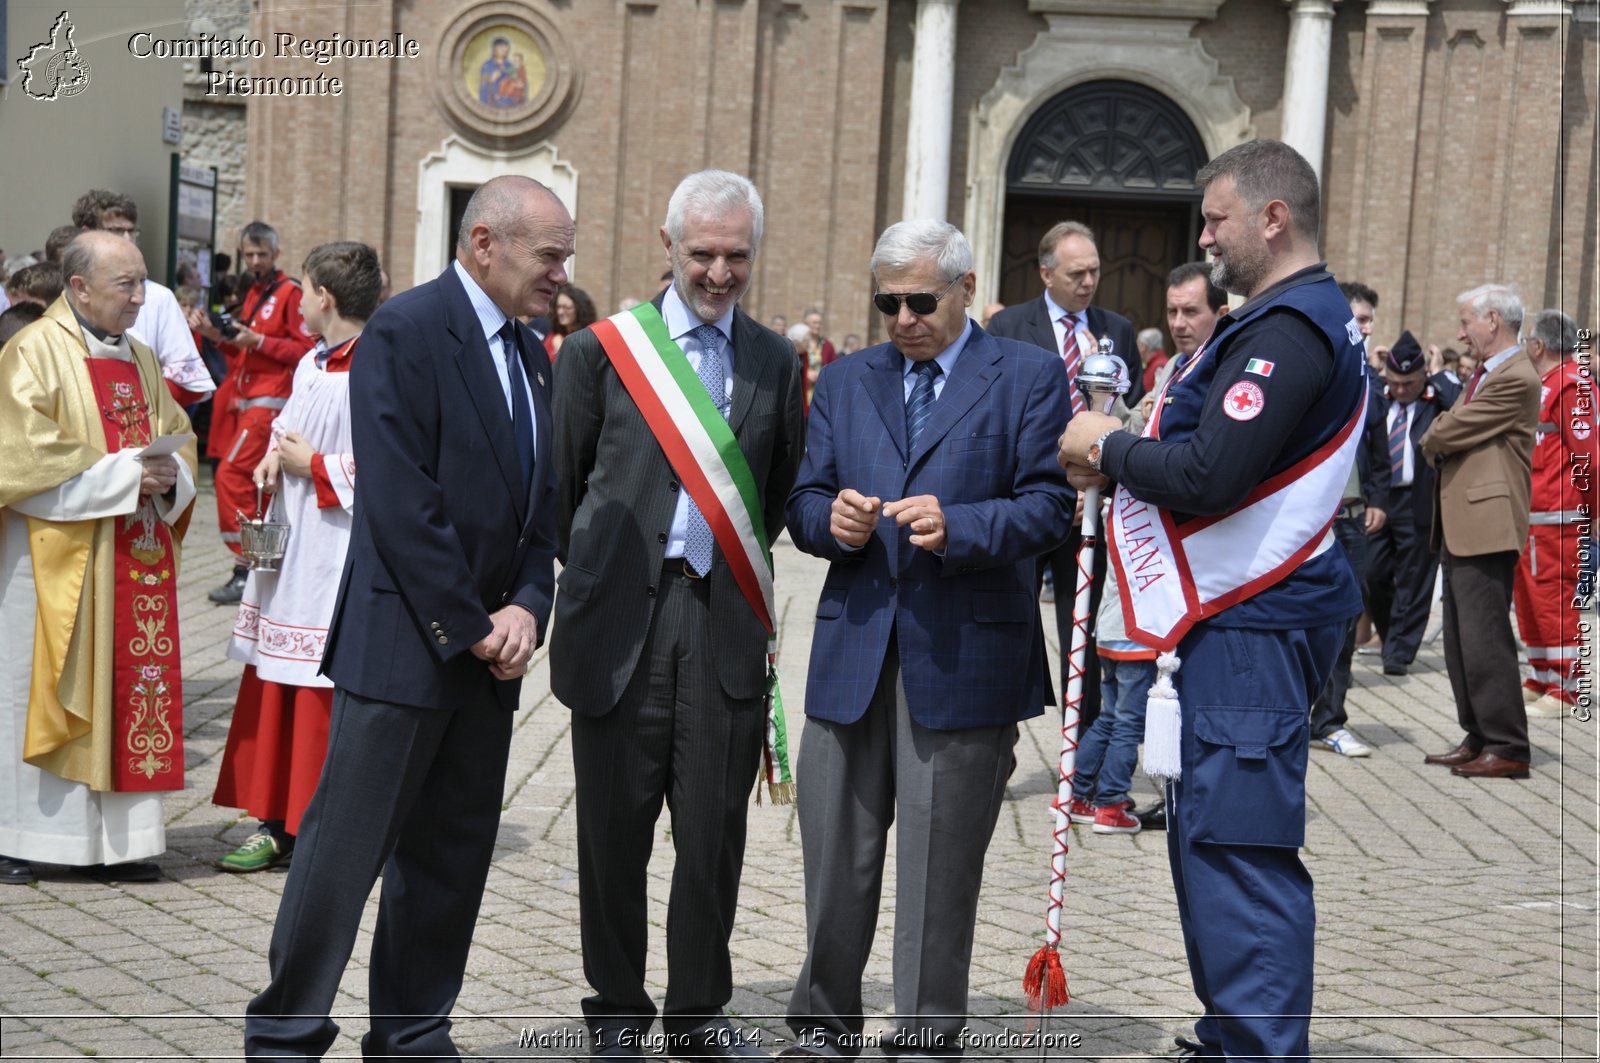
(1246, 785)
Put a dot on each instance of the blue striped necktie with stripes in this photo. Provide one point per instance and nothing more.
(919, 407)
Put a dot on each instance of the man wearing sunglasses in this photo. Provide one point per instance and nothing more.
(928, 483)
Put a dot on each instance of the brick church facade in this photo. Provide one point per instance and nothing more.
(1456, 138)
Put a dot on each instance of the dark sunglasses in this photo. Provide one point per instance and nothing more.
(920, 303)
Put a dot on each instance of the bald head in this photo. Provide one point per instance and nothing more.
(104, 276)
(502, 205)
(515, 239)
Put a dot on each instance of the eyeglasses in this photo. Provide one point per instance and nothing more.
(117, 230)
(920, 303)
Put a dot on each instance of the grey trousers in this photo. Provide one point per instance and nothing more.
(945, 788)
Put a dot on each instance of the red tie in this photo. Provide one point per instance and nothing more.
(1072, 351)
(1472, 385)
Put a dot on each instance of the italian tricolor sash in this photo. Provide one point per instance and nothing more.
(702, 450)
(1171, 577)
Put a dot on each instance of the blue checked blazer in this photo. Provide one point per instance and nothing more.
(967, 625)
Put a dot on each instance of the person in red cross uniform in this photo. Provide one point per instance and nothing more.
(262, 349)
(1545, 589)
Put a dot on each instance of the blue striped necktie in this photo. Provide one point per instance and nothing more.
(698, 541)
(919, 407)
(1397, 445)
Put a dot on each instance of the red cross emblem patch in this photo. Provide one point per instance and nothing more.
(1244, 401)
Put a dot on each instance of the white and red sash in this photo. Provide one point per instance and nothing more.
(1171, 577)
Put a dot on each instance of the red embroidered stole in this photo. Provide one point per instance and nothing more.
(146, 685)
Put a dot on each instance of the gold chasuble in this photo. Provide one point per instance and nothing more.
(104, 707)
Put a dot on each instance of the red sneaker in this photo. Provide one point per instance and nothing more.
(1114, 819)
(1081, 811)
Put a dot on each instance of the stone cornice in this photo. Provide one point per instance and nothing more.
(1398, 8)
(1187, 9)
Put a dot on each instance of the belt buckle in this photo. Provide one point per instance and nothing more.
(690, 572)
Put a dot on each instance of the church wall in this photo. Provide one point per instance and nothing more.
(790, 94)
(1433, 176)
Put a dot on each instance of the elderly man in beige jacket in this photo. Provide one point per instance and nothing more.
(1483, 449)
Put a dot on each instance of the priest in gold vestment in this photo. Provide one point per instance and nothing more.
(91, 721)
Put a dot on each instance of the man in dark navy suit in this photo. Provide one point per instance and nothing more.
(445, 596)
(928, 483)
(1403, 564)
(1063, 320)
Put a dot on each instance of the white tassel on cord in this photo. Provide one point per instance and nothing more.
(1163, 723)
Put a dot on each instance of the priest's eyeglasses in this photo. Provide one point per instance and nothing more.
(920, 303)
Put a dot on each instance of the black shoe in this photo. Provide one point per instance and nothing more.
(16, 872)
(1154, 817)
(230, 592)
(1393, 668)
(1189, 1048)
(127, 871)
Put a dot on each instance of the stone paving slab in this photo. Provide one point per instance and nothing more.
(1456, 920)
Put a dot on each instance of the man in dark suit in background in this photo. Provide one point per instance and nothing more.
(1403, 562)
(928, 483)
(1063, 321)
(1069, 265)
(446, 593)
(656, 649)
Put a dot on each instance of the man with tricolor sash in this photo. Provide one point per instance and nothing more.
(89, 534)
(677, 437)
(1220, 532)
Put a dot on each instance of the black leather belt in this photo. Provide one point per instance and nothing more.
(1353, 511)
(679, 566)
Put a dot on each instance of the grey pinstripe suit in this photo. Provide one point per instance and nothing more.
(664, 675)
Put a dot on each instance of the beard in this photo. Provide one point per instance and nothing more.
(1241, 269)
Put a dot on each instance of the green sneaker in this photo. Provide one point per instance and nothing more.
(259, 852)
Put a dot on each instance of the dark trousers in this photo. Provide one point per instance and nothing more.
(1400, 576)
(1063, 565)
(674, 738)
(415, 793)
(1481, 653)
(1327, 713)
(1235, 824)
(942, 791)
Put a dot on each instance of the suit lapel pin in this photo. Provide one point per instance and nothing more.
(539, 377)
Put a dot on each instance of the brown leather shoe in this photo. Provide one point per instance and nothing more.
(1492, 766)
(1457, 756)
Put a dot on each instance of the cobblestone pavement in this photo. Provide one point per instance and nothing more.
(1457, 919)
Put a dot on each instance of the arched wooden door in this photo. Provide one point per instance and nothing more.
(1121, 158)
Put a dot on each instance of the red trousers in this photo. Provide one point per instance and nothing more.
(1545, 584)
(236, 487)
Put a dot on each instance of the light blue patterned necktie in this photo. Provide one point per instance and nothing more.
(919, 407)
(699, 543)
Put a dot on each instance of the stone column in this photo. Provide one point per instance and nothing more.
(927, 187)
(1305, 78)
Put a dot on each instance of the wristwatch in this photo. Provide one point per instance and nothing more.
(1096, 450)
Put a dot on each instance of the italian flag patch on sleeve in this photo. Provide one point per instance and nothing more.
(1259, 366)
